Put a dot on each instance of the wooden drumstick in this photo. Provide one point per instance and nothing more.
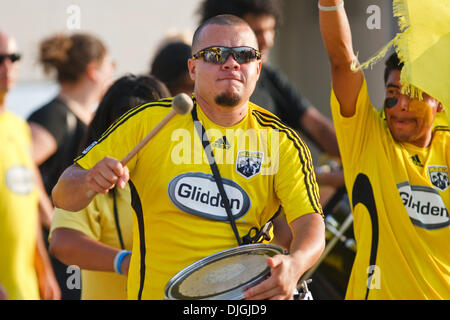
(181, 104)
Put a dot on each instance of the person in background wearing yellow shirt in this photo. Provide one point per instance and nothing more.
(173, 226)
(25, 269)
(396, 173)
(99, 237)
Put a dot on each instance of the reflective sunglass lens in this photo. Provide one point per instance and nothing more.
(219, 55)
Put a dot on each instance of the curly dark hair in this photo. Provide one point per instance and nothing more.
(211, 8)
(392, 63)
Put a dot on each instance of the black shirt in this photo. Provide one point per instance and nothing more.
(273, 92)
(67, 130)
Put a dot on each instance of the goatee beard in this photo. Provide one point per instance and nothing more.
(227, 99)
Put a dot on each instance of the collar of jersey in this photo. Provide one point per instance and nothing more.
(209, 123)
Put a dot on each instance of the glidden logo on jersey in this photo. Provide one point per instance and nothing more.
(424, 206)
(197, 193)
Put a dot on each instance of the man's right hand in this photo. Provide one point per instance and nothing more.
(77, 187)
(107, 173)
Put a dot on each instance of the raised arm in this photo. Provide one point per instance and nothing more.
(73, 191)
(337, 37)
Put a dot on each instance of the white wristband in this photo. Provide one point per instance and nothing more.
(331, 8)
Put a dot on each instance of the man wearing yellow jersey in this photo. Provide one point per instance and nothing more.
(179, 212)
(396, 172)
(25, 269)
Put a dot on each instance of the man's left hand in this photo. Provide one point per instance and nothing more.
(284, 274)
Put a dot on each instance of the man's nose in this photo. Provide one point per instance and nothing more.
(6, 64)
(231, 63)
(403, 102)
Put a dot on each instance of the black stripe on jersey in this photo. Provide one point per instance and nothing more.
(303, 152)
(441, 128)
(307, 153)
(132, 112)
(304, 149)
(137, 206)
(165, 100)
(363, 193)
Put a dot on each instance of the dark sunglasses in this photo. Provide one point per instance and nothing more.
(219, 55)
(13, 57)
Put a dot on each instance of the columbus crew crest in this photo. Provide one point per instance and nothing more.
(439, 176)
(249, 163)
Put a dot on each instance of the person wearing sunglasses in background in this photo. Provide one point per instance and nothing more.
(396, 174)
(25, 269)
(180, 215)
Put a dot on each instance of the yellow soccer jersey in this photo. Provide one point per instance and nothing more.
(98, 222)
(400, 197)
(180, 216)
(18, 210)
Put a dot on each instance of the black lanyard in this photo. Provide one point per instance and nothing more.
(215, 170)
(116, 218)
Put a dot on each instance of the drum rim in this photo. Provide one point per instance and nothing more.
(231, 294)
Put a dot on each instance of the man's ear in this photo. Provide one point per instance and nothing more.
(259, 67)
(440, 107)
(191, 68)
(92, 70)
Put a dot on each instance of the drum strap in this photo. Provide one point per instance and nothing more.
(215, 170)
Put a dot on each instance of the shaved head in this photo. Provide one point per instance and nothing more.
(221, 20)
(7, 43)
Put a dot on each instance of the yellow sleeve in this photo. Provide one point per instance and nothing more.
(86, 221)
(121, 137)
(295, 181)
(353, 133)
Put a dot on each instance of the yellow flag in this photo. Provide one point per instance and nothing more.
(423, 45)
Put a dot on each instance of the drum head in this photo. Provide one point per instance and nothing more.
(224, 275)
